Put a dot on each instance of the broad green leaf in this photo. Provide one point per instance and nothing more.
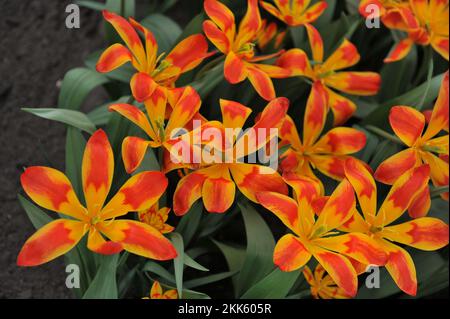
(104, 285)
(66, 116)
(91, 5)
(276, 285)
(38, 217)
(190, 222)
(159, 270)
(101, 115)
(193, 27)
(178, 262)
(76, 86)
(260, 246)
(188, 261)
(208, 279)
(75, 145)
(165, 30)
(209, 81)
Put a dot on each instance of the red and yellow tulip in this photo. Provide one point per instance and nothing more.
(156, 292)
(52, 190)
(408, 124)
(426, 23)
(153, 72)
(327, 153)
(318, 236)
(186, 103)
(216, 183)
(239, 47)
(326, 72)
(297, 12)
(322, 285)
(156, 217)
(423, 233)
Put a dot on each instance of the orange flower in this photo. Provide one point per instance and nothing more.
(52, 190)
(327, 154)
(325, 72)
(216, 182)
(156, 218)
(239, 47)
(322, 285)
(408, 124)
(157, 292)
(422, 233)
(269, 33)
(317, 236)
(153, 71)
(426, 23)
(297, 12)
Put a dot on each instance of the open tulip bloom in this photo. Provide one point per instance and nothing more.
(424, 233)
(297, 12)
(408, 124)
(52, 190)
(239, 47)
(322, 285)
(318, 237)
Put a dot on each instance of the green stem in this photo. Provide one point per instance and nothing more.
(384, 134)
(428, 60)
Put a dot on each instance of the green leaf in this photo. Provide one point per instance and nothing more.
(190, 294)
(384, 150)
(104, 285)
(37, 216)
(101, 115)
(260, 246)
(166, 5)
(75, 145)
(159, 270)
(188, 261)
(178, 262)
(76, 86)
(189, 223)
(209, 81)
(91, 5)
(208, 279)
(276, 285)
(165, 30)
(69, 117)
(193, 27)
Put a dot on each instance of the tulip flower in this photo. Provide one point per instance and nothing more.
(216, 182)
(52, 190)
(156, 217)
(295, 13)
(268, 33)
(423, 233)
(239, 47)
(157, 292)
(322, 285)
(317, 236)
(426, 23)
(153, 71)
(326, 72)
(327, 153)
(408, 124)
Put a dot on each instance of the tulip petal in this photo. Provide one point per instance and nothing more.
(339, 268)
(364, 186)
(156, 292)
(185, 109)
(395, 166)
(425, 233)
(139, 238)
(438, 169)
(218, 191)
(252, 179)
(250, 24)
(402, 193)
(441, 45)
(342, 107)
(133, 152)
(421, 204)
(401, 268)
(284, 207)
(437, 145)
(135, 115)
(128, 35)
(407, 123)
(51, 241)
(439, 116)
(151, 46)
(216, 36)
(316, 42)
(338, 209)
(97, 171)
(51, 189)
(235, 70)
(357, 246)
(345, 56)
(98, 244)
(113, 57)
(330, 165)
(356, 83)
(315, 114)
(289, 133)
(139, 193)
(234, 114)
(272, 10)
(296, 62)
(261, 82)
(222, 16)
(399, 51)
(341, 141)
(188, 53)
(290, 254)
(142, 86)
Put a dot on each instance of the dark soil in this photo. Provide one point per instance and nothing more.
(36, 50)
